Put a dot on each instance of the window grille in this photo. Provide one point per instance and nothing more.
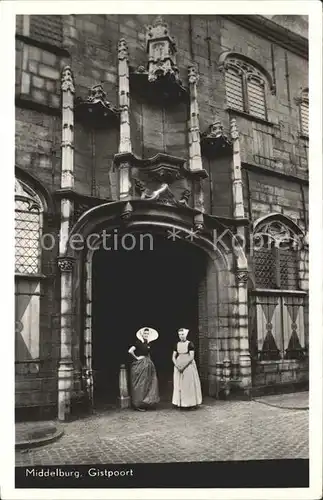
(288, 269)
(265, 268)
(27, 232)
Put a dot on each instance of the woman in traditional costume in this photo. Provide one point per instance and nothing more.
(187, 387)
(143, 377)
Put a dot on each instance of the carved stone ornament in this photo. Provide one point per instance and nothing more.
(193, 75)
(242, 276)
(161, 168)
(65, 264)
(234, 129)
(161, 51)
(278, 232)
(123, 52)
(96, 108)
(162, 195)
(184, 198)
(199, 222)
(127, 212)
(67, 80)
(22, 193)
(214, 140)
(159, 80)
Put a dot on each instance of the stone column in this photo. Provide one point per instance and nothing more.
(195, 157)
(303, 273)
(124, 106)
(65, 369)
(65, 366)
(241, 264)
(243, 330)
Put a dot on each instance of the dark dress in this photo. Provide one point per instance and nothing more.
(143, 378)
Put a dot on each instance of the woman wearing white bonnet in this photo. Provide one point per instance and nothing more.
(187, 387)
(143, 377)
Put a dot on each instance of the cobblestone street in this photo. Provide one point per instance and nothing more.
(219, 430)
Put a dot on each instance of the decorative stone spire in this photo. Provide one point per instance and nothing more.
(193, 76)
(161, 50)
(123, 52)
(195, 159)
(68, 90)
(238, 207)
(124, 97)
(67, 80)
(233, 129)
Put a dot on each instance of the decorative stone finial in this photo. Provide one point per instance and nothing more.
(193, 75)
(159, 29)
(127, 211)
(67, 80)
(216, 129)
(233, 129)
(97, 95)
(161, 51)
(123, 52)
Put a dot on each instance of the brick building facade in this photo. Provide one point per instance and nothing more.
(137, 125)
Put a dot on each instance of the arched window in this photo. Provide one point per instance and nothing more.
(279, 329)
(29, 211)
(246, 87)
(304, 112)
(28, 227)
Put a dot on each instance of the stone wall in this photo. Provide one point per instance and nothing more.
(274, 155)
(91, 41)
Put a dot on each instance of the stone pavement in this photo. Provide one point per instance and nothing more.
(293, 401)
(219, 430)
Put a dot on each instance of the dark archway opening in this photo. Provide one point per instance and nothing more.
(154, 286)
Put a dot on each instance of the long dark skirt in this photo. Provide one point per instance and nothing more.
(144, 383)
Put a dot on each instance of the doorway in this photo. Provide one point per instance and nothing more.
(147, 286)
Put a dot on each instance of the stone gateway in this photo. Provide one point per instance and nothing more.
(182, 141)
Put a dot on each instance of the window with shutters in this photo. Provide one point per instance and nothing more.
(304, 113)
(234, 88)
(277, 303)
(245, 88)
(45, 29)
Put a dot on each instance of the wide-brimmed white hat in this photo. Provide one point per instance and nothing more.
(152, 335)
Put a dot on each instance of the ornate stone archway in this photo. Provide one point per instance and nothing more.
(223, 329)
